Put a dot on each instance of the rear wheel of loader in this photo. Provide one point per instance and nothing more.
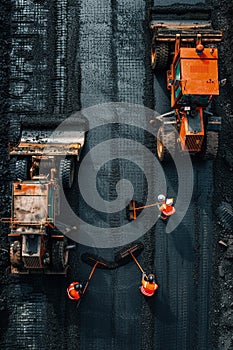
(159, 55)
(166, 144)
(225, 216)
(60, 255)
(15, 131)
(15, 254)
(22, 169)
(210, 145)
(67, 170)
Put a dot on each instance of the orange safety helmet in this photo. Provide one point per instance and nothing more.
(74, 292)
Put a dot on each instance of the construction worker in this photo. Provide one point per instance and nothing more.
(165, 206)
(149, 285)
(74, 290)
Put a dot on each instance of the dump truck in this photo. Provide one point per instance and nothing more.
(184, 39)
(36, 244)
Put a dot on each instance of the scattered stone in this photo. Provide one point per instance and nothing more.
(221, 271)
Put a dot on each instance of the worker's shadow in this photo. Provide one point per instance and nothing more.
(160, 308)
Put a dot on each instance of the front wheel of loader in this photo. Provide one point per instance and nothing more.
(22, 169)
(60, 255)
(66, 171)
(210, 146)
(159, 55)
(15, 131)
(166, 144)
(15, 254)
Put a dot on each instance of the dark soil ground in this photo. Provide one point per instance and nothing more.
(89, 52)
(221, 315)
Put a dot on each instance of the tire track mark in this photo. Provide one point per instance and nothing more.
(205, 191)
(98, 85)
(175, 330)
(129, 49)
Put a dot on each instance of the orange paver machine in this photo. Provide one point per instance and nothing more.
(183, 37)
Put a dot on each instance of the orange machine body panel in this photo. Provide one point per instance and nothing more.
(192, 132)
(194, 77)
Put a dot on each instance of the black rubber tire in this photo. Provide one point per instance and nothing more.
(11, 163)
(225, 216)
(159, 55)
(15, 254)
(22, 169)
(166, 139)
(210, 145)
(66, 172)
(60, 255)
(4, 258)
(15, 131)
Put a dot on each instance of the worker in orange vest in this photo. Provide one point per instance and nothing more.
(74, 290)
(149, 285)
(165, 205)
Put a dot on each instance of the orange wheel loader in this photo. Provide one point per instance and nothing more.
(37, 242)
(183, 37)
